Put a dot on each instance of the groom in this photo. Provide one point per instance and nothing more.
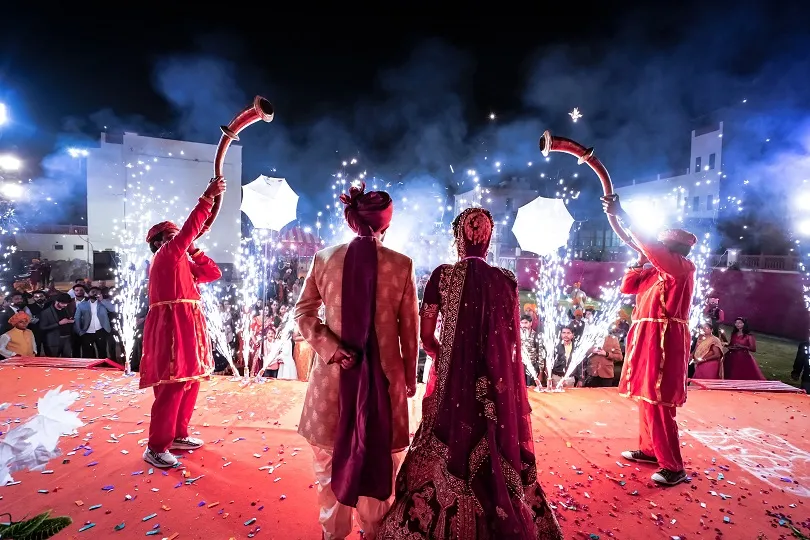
(356, 410)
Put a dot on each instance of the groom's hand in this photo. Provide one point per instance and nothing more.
(343, 356)
(410, 389)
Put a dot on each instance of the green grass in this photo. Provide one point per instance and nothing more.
(775, 357)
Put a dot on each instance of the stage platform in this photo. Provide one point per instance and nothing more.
(748, 454)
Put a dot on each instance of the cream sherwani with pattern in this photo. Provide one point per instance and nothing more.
(396, 323)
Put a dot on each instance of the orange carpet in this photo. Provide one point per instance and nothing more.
(749, 455)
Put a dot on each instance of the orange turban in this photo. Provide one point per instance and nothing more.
(678, 236)
(19, 317)
(367, 213)
(165, 226)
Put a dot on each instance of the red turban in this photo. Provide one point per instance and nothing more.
(165, 226)
(19, 317)
(367, 213)
(678, 236)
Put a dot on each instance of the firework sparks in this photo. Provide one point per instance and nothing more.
(611, 300)
(144, 206)
(702, 290)
(550, 288)
(575, 114)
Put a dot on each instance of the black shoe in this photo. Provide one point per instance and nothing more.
(638, 455)
(665, 477)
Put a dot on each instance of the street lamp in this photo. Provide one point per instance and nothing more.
(10, 163)
(12, 190)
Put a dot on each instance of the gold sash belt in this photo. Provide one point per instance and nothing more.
(170, 302)
(663, 320)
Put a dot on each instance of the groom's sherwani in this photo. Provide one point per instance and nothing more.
(397, 326)
(396, 323)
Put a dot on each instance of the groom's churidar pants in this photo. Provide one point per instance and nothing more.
(658, 435)
(335, 518)
(171, 413)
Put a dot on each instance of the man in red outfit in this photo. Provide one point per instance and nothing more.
(176, 346)
(657, 357)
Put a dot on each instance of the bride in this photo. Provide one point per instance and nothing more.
(470, 472)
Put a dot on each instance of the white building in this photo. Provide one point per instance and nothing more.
(124, 168)
(692, 195)
(56, 247)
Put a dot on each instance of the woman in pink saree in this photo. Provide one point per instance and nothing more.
(708, 355)
(470, 472)
(740, 362)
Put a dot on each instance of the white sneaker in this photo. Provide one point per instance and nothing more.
(161, 460)
(186, 443)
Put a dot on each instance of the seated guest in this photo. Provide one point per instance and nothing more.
(56, 325)
(601, 360)
(708, 355)
(19, 341)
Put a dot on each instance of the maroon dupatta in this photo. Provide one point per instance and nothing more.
(362, 465)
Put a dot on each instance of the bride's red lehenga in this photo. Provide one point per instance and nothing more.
(470, 472)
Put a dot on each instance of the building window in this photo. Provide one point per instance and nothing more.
(712, 160)
(695, 203)
(78, 247)
(58, 247)
(709, 201)
(697, 164)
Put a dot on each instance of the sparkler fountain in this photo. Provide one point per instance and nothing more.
(144, 205)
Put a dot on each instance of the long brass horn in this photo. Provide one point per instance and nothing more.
(260, 109)
(550, 144)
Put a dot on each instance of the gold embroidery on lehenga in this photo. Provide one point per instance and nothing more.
(482, 395)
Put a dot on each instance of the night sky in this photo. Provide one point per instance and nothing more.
(412, 93)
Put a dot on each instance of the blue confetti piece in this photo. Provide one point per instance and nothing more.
(107, 488)
(151, 471)
(86, 527)
(178, 485)
(261, 508)
(136, 473)
(201, 503)
(726, 519)
(92, 464)
(88, 452)
(150, 516)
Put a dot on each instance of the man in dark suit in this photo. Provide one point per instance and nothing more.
(56, 326)
(801, 367)
(92, 325)
(40, 303)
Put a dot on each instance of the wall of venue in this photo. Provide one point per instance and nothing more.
(772, 302)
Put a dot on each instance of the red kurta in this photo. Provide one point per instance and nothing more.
(176, 346)
(657, 357)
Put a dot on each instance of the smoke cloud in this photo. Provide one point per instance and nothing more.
(421, 126)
